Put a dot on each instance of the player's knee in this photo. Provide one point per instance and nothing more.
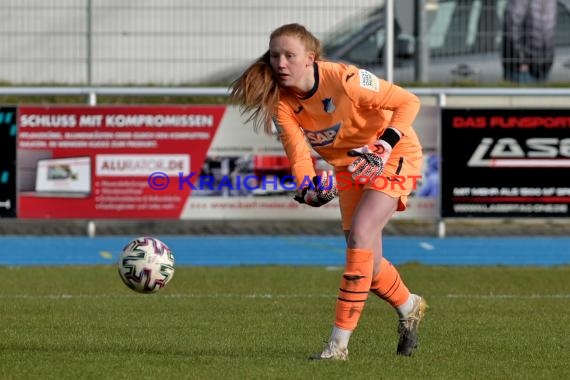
(358, 237)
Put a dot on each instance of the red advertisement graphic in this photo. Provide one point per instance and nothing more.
(95, 162)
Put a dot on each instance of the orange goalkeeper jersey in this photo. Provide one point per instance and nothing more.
(347, 108)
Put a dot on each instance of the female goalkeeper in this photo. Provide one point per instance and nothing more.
(362, 126)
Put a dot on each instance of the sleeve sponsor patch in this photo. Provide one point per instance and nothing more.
(369, 80)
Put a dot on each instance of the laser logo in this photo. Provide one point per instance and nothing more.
(507, 152)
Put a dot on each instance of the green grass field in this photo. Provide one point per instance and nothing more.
(263, 322)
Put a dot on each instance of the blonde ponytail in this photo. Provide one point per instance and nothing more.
(257, 93)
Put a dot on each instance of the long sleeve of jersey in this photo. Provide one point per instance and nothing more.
(368, 91)
(295, 145)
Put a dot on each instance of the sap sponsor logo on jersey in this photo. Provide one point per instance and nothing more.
(324, 137)
(533, 152)
(369, 80)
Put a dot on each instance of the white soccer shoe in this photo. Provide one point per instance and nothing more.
(331, 352)
(408, 328)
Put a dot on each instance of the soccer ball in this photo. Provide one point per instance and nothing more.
(146, 265)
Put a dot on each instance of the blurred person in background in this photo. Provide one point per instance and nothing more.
(362, 126)
(528, 40)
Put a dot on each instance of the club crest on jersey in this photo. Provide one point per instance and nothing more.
(328, 105)
(323, 137)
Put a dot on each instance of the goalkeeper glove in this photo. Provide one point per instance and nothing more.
(323, 191)
(370, 160)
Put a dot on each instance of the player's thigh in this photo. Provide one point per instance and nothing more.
(399, 178)
(349, 197)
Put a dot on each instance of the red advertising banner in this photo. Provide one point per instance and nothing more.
(110, 161)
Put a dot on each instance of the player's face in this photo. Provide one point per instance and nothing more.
(292, 63)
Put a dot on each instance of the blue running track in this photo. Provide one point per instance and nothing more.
(291, 250)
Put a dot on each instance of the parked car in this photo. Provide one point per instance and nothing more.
(465, 38)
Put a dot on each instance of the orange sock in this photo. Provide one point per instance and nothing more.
(389, 286)
(354, 287)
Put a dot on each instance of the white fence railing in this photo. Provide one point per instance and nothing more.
(442, 93)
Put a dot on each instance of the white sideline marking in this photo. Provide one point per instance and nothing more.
(509, 296)
(267, 296)
(179, 295)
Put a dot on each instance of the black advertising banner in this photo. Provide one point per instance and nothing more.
(505, 162)
(7, 162)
